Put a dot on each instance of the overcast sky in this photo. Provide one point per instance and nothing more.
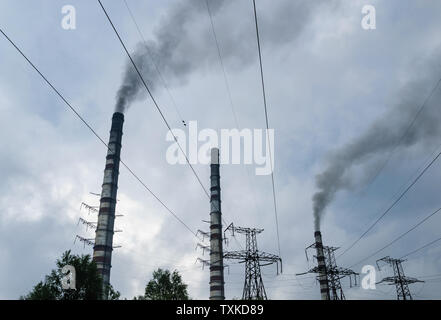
(328, 82)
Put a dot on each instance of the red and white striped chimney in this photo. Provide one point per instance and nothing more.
(217, 291)
(102, 250)
(323, 277)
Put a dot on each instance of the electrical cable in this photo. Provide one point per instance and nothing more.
(399, 237)
(164, 83)
(93, 131)
(267, 123)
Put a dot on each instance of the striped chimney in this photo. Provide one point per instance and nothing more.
(323, 278)
(217, 291)
(102, 250)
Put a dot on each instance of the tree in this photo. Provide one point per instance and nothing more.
(88, 282)
(166, 286)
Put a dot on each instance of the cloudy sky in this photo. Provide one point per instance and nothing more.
(338, 97)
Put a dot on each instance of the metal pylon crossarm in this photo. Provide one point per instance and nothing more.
(253, 260)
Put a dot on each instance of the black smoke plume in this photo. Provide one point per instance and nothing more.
(398, 129)
(183, 42)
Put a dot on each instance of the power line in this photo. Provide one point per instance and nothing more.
(92, 130)
(227, 86)
(164, 83)
(394, 203)
(399, 237)
(155, 103)
(405, 134)
(222, 64)
(415, 173)
(421, 248)
(411, 176)
(266, 120)
(159, 200)
(153, 99)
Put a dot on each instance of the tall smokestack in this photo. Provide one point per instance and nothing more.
(102, 250)
(323, 277)
(217, 291)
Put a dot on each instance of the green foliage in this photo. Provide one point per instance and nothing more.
(88, 281)
(112, 294)
(165, 286)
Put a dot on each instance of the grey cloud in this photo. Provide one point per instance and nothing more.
(304, 117)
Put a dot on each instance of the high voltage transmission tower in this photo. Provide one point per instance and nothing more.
(253, 287)
(400, 281)
(335, 274)
(329, 274)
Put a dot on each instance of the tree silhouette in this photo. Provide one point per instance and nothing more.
(88, 283)
(165, 286)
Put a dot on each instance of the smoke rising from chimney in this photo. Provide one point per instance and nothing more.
(183, 43)
(382, 137)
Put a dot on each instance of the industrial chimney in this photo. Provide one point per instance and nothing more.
(323, 277)
(102, 250)
(217, 291)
